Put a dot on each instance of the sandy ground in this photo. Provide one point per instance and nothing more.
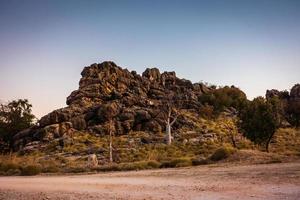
(271, 181)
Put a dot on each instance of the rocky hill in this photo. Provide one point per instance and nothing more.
(112, 98)
(137, 111)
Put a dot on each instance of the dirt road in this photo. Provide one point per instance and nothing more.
(272, 181)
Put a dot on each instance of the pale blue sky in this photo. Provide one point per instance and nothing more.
(44, 45)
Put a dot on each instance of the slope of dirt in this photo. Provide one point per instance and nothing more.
(265, 181)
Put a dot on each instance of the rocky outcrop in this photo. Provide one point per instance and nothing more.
(109, 94)
(290, 102)
(276, 93)
(295, 93)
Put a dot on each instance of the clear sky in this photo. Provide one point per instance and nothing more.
(44, 45)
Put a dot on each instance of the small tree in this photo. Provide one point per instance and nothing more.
(230, 126)
(259, 121)
(108, 112)
(110, 140)
(171, 114)
(14, 117)
(171, 119)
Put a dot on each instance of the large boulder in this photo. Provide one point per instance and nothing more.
(152, 74)
(108, 111)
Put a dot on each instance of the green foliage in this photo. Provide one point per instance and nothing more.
(50, 169)
(222, 98)
(177, 162)
(222, 153)
(153, 164)
(76, 169)
(129, 166)
(200, 161)
(14, 117)
(259, 120)
(293, 113)
(4, 167)
(30, 170)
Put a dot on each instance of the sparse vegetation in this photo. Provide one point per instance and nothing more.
(221, 98)
(208, 135)
(222, 153)
(177, 162)
(30, 170)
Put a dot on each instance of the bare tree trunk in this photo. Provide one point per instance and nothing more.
(169, 127)
(168, 133)
(233, 140)
(268, 142)
(110, 144)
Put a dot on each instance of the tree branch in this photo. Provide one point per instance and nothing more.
(174, 120)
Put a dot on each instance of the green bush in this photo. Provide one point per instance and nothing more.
(50, 169)
(4, 167)
(200, 161)
(139, 165)
(222, 153)
(76, 170)
(129, 166)
(153, 164)
(107, 168)
(30, 170)
(223, 97)
(178, 162)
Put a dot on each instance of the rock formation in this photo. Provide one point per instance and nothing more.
(290, 102)
(108, 92)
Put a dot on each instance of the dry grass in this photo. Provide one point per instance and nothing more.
(132, 153)
(286, 142)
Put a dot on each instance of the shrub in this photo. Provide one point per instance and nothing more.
(139, 165)
(76, 170)
(30, 170)
(7, 166)
(178, 162)
(153, 164)
(108, 167)
(200, 161)
(49, 166)
(132, 166)
(222, 153)
(129, 166)
(13, 172)
(224, 97)
(50, 169)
